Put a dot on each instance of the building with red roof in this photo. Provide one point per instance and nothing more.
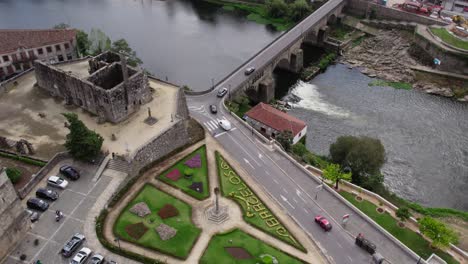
(271, 121)
(20, 47)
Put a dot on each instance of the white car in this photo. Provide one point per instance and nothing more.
(58, 182)
(224, 124)
(81, 256)
(96, 259)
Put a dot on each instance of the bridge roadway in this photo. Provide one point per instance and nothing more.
(287, 184)
(266, 55)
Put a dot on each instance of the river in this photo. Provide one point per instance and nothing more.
(189, 42)
(425, 136)
(192, 42)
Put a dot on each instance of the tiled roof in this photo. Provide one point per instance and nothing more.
(275, 119)
(12, 39)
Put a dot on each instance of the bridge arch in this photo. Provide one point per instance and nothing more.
(283, 64)
(331, 19)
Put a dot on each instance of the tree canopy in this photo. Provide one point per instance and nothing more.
(333, 173)
(440, 234)
(121, 46)
(82, 143)
(364, 156)
(285, 139)
(99, 42)
(82, 43)
(277, 8)
(298, 10)
(403, 213)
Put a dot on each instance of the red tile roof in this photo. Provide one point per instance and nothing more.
(12, 39)
(275, 119)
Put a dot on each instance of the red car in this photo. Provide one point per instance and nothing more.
(323, 222)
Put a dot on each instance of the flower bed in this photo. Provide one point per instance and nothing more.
(254, 210)
(194, 169)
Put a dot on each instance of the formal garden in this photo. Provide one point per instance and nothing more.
(159, 221)
(237, 246)
(254, 210)
(190, 174)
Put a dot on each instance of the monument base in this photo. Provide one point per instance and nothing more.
(217, 217)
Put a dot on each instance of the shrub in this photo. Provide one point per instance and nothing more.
(440, 234)
(188, 172)
(299, 149)
(403, 213)
(13, 174)
(24, 159)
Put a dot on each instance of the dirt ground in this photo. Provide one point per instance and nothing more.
(27, 170)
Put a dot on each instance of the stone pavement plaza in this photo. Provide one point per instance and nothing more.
(198, 212)
(21, 104)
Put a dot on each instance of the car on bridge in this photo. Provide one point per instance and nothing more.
(249, 70)
(323, 223)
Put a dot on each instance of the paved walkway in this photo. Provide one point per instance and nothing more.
(198, 215)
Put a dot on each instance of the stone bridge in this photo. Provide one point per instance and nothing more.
(284, 53)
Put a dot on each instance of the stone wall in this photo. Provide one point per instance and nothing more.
(362, 7)
(14, 220)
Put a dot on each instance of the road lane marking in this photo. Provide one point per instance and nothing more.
(220, 134)
(276, 181)
(305, 210)
(350, 259)
(267, 172)
(285, 190)
(235, 141)
(286, 200)
(294, 199)
(246, 161)
(339, 244)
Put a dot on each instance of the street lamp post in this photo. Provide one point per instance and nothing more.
(229, 87)
(212, 83)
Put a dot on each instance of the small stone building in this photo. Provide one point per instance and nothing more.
(14, 220)
(112, 90)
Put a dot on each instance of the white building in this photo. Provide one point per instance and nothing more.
(20, 47)
(271, 121)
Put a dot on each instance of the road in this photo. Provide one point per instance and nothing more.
(294, 190)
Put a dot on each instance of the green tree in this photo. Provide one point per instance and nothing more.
(403, 213)
(333, 173)
(83, 43)
(298, 10)
(285, 139)
(121, 46)
(364, 155)
(439, 233)
(82, 143)
(62, 26)
(276, 8)
(299, 149)
(13, 174)
(99, 42)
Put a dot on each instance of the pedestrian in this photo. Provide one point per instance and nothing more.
(113, 155)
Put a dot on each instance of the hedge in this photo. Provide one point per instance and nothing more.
(24, 159)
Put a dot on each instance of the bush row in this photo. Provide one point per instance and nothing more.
(24, 159)
(325, 61)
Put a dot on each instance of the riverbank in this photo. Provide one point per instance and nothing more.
(391, 56)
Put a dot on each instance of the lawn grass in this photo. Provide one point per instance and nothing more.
(449, 38)
(411, 239)
(180, 245)
(200, 175)
(254, 210)
(215, 252)
(396, 85)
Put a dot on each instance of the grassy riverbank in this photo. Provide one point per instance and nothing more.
(396, 85)
(449, 38)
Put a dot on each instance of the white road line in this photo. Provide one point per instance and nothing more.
(339, 245)
(294, 199)
(305, 210)
(208, 127)
(285, 190)
(350, 259)
(220, 134)
(276, 181)
(267, 172)
(214, 124)
(247, 161)
(243, 149)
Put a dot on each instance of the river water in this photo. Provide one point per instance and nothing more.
(192, 42)
(425, 136)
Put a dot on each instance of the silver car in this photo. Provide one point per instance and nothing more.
(57, 182)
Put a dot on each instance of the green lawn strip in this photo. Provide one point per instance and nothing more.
(396, 85)
(180, 245)
(254, 210)
(215, 252)
(23, 159)
(449, 38)
(411, 239)
(200, 175)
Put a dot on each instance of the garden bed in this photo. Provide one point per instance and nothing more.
(221, 244)
(196, 184)
(254, 210)
(179, 245)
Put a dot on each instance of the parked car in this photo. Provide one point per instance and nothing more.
(323, 223)
(224, 124)
(366, 244)
(81, 256)
(57, 182)
(249, 70)
(72, 244)
(33, 216)
(47, 194)
(37, 204)
(96, 259)
(213, 109)
(222, 92)
(70, 172)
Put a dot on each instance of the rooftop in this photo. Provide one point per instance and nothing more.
(12, 39)
(275, 119)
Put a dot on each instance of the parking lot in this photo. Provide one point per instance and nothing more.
(47, 237)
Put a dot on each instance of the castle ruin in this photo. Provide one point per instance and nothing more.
(112, 90)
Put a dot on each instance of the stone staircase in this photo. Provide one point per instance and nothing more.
(118, 165)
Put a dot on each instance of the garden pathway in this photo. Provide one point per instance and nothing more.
(198, 213)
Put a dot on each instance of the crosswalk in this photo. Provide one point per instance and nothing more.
(212, 124)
